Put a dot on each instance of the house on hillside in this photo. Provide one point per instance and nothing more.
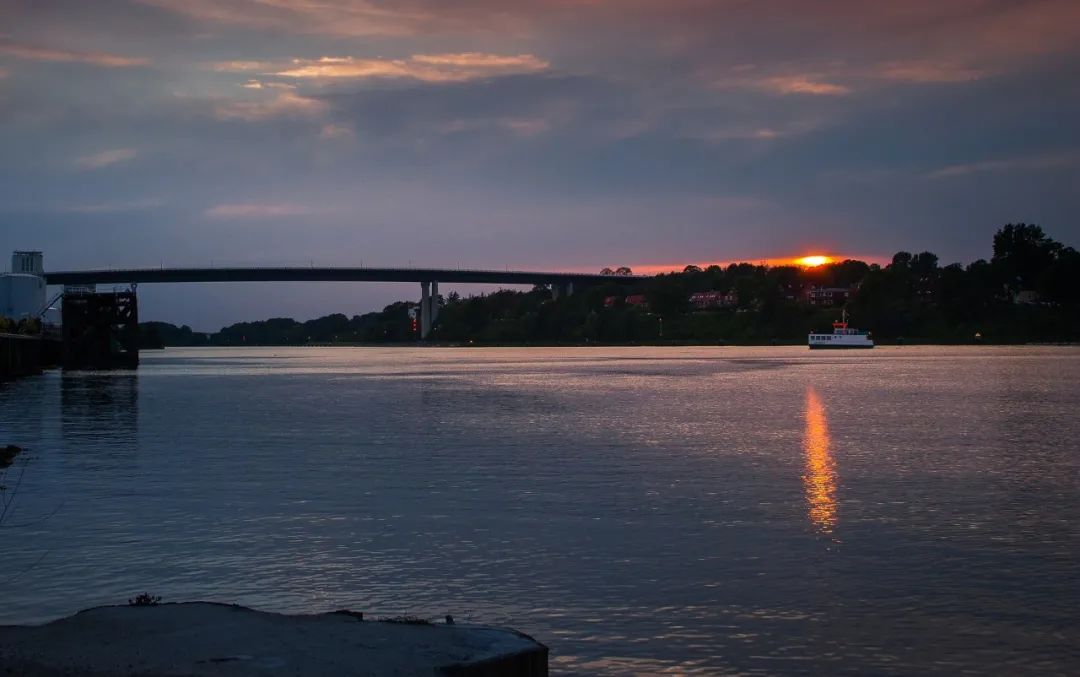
(636, 300)
(1027, 297)
(826, 296)
(707, 300)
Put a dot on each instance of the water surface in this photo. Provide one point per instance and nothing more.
(640, 510)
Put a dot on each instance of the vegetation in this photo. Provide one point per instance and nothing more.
(406, 620)
(30, 327)
(144, 599)
(1028, 291)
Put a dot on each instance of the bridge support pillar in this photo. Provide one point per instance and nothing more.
(559, 289)
(425, 309)
(434, 303)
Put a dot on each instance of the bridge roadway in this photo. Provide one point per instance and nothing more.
(429, 278)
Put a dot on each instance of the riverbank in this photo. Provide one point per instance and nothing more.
(20, 355)
(26, 355)
(202, 638)
(640, 344)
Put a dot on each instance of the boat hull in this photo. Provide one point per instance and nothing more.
(827, 347)
(840, 341)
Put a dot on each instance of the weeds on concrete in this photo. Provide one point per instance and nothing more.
(406, 620)
(145, 599)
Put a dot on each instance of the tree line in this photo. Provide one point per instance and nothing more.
(1028, 291)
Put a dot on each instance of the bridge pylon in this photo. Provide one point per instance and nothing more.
(429, 307)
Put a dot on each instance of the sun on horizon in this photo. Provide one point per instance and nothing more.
(814, 260)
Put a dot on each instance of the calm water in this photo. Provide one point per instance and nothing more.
(641, 510)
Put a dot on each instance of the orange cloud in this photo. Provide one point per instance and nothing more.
(259, 84)
(929, 72)
(481, 60)
(423, 67)
(105, 158)
(284, 105)
(801, 84)
(60, 55)
(336, 132)
(1029, 163)
(240, 66)
(744, 132)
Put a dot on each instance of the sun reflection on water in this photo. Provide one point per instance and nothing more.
(820, 477)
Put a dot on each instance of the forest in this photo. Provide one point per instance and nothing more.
(1029, 291)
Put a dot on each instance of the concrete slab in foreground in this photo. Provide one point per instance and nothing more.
(200, 638)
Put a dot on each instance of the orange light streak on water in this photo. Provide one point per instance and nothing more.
(820, 477)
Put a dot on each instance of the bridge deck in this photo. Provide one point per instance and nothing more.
(324, 274)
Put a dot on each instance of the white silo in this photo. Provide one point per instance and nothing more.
(21, 296)
(22, 291)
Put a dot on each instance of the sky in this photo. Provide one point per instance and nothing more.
(553, 134)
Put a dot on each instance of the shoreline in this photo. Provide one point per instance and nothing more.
(672, 344)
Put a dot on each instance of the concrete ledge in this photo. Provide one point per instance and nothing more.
(202, 638)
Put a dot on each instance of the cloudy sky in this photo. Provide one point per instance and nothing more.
(556, 134)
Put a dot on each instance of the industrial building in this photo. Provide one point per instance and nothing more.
(22, 291)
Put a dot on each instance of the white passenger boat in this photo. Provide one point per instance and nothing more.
(842, 337)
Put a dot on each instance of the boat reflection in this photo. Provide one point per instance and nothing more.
(820, 476)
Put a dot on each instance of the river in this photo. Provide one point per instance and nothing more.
(639, 510)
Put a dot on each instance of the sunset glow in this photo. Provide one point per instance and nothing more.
(813, 261)
(808, 261)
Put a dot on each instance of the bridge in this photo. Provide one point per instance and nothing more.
(429, 279)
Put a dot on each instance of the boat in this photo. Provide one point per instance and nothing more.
(842, 336)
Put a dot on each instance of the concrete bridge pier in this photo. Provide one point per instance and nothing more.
(425, 309)
(561, 289)
(434, 302)
(429, 307)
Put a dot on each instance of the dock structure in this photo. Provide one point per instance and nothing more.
(100, 330)
(20, 355)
